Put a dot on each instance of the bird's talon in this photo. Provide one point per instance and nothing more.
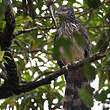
(66, 66)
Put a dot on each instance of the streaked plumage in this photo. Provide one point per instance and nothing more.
(69, 27)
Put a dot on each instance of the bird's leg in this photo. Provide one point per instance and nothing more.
(68, 65)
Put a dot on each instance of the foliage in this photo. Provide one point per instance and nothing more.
(32, 50)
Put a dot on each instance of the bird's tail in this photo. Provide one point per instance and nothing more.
(74, 81)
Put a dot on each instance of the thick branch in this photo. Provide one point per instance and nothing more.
(34, 84)
(6, 37)
(12, 79)
(12, 76)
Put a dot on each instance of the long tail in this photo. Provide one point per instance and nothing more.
(74, 81)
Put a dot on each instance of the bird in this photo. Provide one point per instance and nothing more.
(71, 44)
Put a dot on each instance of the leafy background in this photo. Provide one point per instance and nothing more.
(32, 51)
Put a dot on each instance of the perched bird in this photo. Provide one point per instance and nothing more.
(71, 44)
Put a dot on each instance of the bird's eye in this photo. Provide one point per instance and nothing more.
(65, 11)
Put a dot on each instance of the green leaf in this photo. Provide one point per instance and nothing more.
(92, 3)
(103, 42)
(89, 71)
(70, 3)
(86, 97)
(2, 24)
(66, 45)
(103, 95)
(59, 2)
(1, 55)
(107, 16)
(2, 8)
(28, 76)
(5, 61)
(90, 89)
(25, 103)
(79, 39)
(102, 79)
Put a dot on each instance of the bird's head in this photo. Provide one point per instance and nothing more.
(65, 12)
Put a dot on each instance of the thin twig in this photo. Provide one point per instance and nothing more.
(84, 12)
(31, 51)
(43, 17)
(52, 27)
(39, 50)
(33, 29)
(52, 15)
(49, 5)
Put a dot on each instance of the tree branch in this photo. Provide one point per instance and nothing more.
(52, 27)
(45, 73)
(35, 84)
(6, 37)
(12, 75)
(49, 5)
(40, 50)
(12, 79)
(33, 29)
(32, 12)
